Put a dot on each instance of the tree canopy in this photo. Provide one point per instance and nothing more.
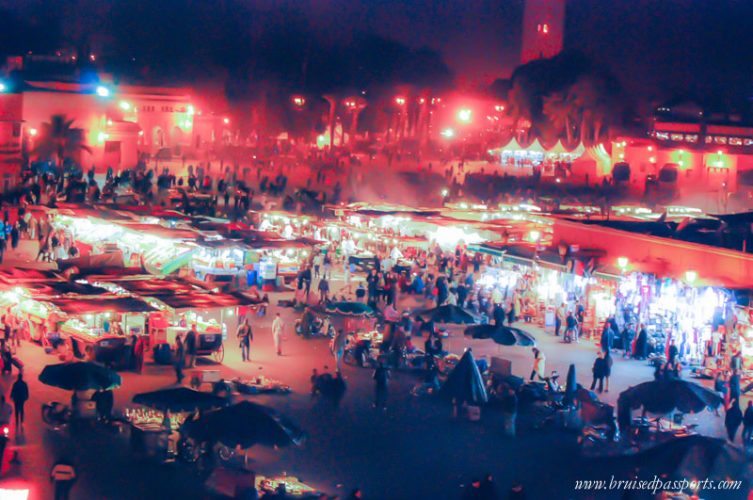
(567, 97)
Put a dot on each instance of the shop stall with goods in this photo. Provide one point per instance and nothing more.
(537, 282)
(676, 312)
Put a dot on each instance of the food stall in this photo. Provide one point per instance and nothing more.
(102, 327)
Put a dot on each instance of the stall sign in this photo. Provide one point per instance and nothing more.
(268, 270)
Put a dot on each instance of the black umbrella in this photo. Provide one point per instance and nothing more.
(245, 424)
(570, 386)
(464, 383)
(179, 399)
(695, 456)
(665, 395)
(449, 314)
(502, 335)
(80, 376)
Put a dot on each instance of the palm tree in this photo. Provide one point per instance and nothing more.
(332, 101)
(59, 139)
(562, 112)
(354, 104)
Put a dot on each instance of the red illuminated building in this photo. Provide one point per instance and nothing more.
(543, 29)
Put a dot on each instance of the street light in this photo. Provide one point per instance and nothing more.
(299, 101)
(226, 120)
(3, 87)
(464, 115)
(103, 91)
(400, 101)
(125, 105)
(622, 263)
(33, 132)
(448, 133)
(690, 277)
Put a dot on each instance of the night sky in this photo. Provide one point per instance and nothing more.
(657, 48)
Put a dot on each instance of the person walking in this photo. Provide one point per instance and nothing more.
(732, 419)
(559, 317)
(323, 289)
(244, 335)
(627, 340)
(327, 272)
(278, 330)
(607, 337)
(734, 386)
(190, 346)
(641, 343)
(138, 354)
(318, 260)
(607, 369)
(180, 358)
(338, 348)
(19, 394)
(748, 424)
(63, 475)
(539, 364)
(381, 377)
(598, 372)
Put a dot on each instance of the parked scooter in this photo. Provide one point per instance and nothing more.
(56, 415)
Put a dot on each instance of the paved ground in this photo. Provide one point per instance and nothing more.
(413, 450)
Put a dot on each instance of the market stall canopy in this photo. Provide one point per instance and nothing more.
(464, 384)
(245, 424)
(351, 309)
(666, 395)
(449, 314)
(377, 209)
(80, 376)
(55, 288)
(162, 232)
(17, 276)
(179, 399)
(149, 286)
(503, 335)
(206, 300)
(280, 243)
(98, 304)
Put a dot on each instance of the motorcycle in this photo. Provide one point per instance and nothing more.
(56, 415)
(571, 335)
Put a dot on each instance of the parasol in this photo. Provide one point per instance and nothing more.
(245, 424)
(179, 399)
(449, 314)
(503, 335)
(665, 395)
(464, 383)
(80, 376)
(570, 386)
(696, 456)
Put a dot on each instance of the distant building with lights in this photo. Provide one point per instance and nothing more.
(543, 29)
(701, 151)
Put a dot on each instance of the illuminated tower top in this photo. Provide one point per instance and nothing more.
(543, 29)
